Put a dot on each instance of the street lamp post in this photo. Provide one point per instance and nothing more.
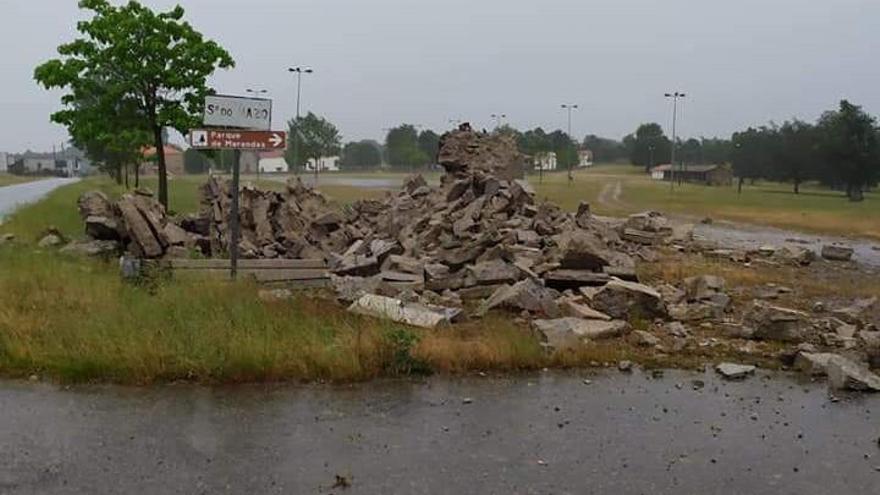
(675, 96)
(498, 117)
(651, 159)
(299, 72)
(569, 107)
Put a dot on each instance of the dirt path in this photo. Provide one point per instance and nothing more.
(609, 196)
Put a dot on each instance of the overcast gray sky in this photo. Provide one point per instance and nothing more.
(382, 62)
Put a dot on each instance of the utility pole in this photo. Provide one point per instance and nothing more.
(675, 96)
(651, 159)
(299, 72)
(569, 107)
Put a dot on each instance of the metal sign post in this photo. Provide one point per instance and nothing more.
(253, 114)
(233, 216)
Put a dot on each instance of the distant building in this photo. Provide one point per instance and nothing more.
(545, 161)
(325, 164)
(37, 166)
(710, 175)
(273, 162)
(585, 158)
(173, 161)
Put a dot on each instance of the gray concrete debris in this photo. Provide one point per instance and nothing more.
(776, 323)
(835, 252)
(414, 314)
(50, 241)
(844, 374)
(526, 295)
(794, 255)
(703, 287)
(104, 249)
(620, 299)
(733, 371)
(813, 363)
(567, 333)
(854, 314)
(464, 150)
(644, 339)
(578, 310)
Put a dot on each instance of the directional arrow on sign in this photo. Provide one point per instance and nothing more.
(217, 139)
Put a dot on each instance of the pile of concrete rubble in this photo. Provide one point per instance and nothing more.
(482, 242)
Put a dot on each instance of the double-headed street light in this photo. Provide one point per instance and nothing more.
(570, 107)
(498, 117)
(675, 96)
(299, 72)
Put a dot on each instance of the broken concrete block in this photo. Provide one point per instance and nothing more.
(581, 250)
(573, 279)
(844, 374)
(93, 248)
(621, 299)
(526, 295)
(578, 310)
(495, 272)
(733, 371)
(565, 333)
(775, 322)
(813, 363)
(835, 252)
(415, 314)
(703, 287)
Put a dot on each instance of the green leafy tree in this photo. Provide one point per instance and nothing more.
(649, 146)
(318, 137)
(157, 60)
(195, 161)
(361, 155)
(753, 154)
(605, 150)
(429, 143)
(796, 147)
(850, 148)
(402, 148)
(691, 152)
(717, 150)
(565, 148)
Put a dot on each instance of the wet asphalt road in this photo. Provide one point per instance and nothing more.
(12, 197)
(549, 434)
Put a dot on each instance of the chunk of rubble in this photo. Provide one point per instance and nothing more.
(644, 339)
(526, 295)
(794, 255)
(776, 323)
(835, 252)
(733, 371)
(578, 310)
(703, 287)
(854, 314)
(568, 332)
(96, 248)
(844, 374)
(621, 299)
(414, 314)
(813, 363)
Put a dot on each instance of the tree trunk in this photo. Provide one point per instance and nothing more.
(116, 173)
(739, 185)
(125, 166)
(855, 193)
(163, 176)
(137, 175)
(797, 186)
